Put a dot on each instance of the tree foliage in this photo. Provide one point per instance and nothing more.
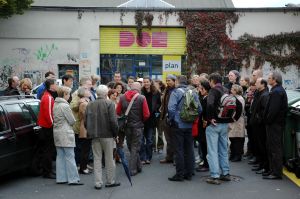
(11, 7)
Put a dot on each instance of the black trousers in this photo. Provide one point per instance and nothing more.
(46, 150)
(85, 145)
(251, 143)
(261, 143)
(274, 147)
(184, 152)
(237, 146)
(203, 146)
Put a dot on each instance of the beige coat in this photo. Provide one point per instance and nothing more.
(75, 109)
(237, 129)
(63, 120)
(82, 107)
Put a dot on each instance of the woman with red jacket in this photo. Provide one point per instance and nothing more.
(45, 120)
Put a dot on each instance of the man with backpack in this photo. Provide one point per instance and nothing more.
(221, 110)
(183, 109)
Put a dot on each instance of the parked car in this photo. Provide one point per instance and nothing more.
(18, 132)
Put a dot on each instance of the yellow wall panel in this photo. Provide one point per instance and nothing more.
(161, 41)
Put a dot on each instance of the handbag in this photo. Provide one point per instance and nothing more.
(122, 121)
(195, 128)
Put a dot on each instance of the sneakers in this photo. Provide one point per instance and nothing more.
(85, 172)
(212, 180)
(226, 178)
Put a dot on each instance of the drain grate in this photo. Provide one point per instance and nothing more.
(234, 178)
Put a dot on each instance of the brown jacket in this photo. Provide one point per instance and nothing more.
(82, 107)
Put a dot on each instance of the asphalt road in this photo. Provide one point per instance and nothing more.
(152, 183)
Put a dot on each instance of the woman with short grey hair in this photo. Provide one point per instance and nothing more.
(64, 139)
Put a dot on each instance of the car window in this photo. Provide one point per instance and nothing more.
(19, 115)
(3, 123)
(35, 106)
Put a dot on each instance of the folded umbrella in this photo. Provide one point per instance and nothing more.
(124, 163)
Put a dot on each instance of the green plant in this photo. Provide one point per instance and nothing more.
(11, 7)
(139, 18)
(148, 19)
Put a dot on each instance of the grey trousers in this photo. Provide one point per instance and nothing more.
(105, 145)
(169, 135)
(133, 138)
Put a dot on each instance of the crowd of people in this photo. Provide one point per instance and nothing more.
(89, 124)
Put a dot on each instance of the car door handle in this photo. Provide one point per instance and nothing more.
(36, 129)
(12, 138)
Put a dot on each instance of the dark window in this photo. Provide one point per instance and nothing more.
(35, 106)
(19, 115)
(156, 64)
(3, 122)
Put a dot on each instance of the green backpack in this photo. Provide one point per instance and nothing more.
(189, 110)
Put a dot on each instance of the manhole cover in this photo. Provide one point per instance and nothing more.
(234, 178)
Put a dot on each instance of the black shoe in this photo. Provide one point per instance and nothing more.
(257, 169)
(202, 169)
(236, 159)
(187, 177)
(266, 173)
(260, 171)
(98, 187)
(116, 184)
(272, 177)
(49, 176)
(176, 178)
(253, 161)
(226, 178)
(61, 182)
(75, 183)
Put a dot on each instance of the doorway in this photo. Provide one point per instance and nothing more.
(71, 69)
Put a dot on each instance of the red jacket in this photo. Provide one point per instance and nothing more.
(129, 95)
(45, 118)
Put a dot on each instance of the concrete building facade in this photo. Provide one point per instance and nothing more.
(85, 41)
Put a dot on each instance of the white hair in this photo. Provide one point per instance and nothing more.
(102, 90)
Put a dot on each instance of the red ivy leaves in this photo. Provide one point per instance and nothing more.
(208, 44)
(207, 38)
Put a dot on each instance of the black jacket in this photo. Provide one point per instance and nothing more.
(213, 104)
(11, 91)
(154, 103)
(277, 106)
(258, 106)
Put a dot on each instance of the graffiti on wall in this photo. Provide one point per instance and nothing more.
(31, 63)
(6, 71)
(72, 57)
(44, 52)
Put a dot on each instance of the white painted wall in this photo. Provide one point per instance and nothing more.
(22, 36)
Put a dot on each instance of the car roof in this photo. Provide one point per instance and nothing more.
(17, 98)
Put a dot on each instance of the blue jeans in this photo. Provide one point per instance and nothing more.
(147, 144)
(217, 146)
(66, 169)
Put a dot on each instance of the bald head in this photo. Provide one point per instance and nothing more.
(257, 74)
(136, 86)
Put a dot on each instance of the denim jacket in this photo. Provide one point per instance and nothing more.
(174, 107)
